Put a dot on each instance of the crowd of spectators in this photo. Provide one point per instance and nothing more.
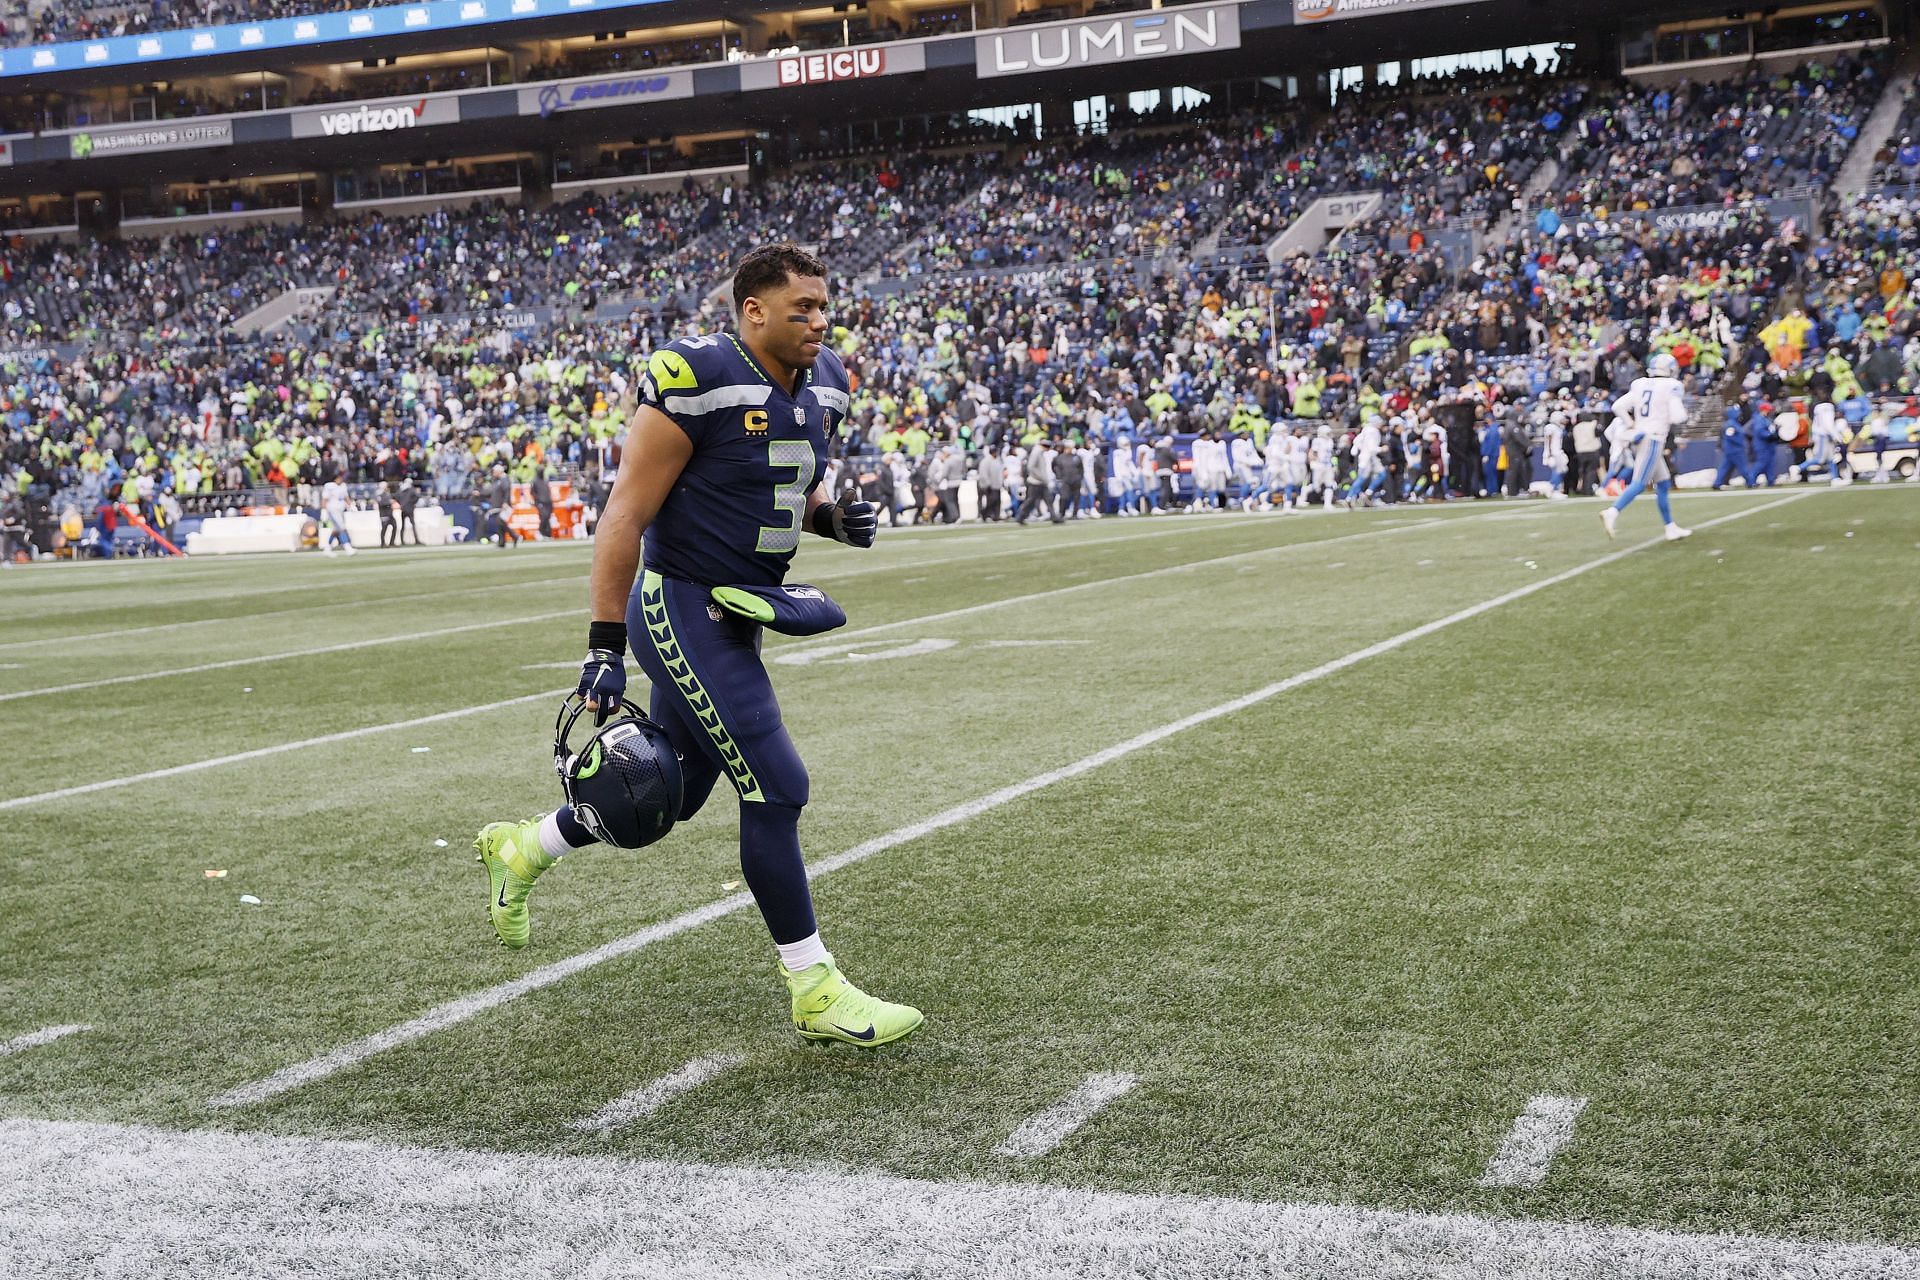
(1455, 148)
(51, 21)
(1046, 294)
(1755, 134)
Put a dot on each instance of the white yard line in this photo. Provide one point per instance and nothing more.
(823, 573)
(345, 735)
(343, 606)
(653, 1095)
(459, 1010)
(155, 1205)
(1098, 583)
(45, 1035)
(111, 783)
(346, 646)
(1539, 1134)
(1042, 1132)
(285, 655)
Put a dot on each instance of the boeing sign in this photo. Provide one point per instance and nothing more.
(1163, 33)
(603, 91)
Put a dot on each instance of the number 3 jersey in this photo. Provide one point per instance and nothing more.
(735, 514)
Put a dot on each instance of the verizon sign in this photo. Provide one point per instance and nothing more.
(831, 66)
(1163, 33)
(390, 116)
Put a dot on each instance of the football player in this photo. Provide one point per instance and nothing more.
(1652, 407)
(720, 477)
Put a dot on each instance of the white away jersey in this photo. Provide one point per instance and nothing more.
(1655, 406)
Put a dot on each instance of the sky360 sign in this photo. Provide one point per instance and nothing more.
(1163, 33)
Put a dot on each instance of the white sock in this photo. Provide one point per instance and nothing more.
(552, 843)
(804, 954)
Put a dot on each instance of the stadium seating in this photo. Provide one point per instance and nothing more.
(1021, 291)
(1757, 134)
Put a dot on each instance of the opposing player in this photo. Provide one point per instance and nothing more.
(1320, 466)
(720, 475)
(1652, 407)
(1369, 473)
(334, 504)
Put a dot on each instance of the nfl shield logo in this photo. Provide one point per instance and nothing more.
(799, 416)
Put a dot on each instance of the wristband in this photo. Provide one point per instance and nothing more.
(611, 637)
(823, 521)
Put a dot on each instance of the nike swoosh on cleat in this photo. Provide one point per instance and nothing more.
(502, 899)
(857, 1035)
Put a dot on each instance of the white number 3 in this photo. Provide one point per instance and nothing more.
(791, 498)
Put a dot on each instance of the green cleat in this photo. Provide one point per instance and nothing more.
(827, 1007)
(514, 860)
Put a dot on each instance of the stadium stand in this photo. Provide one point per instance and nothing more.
(45, 21)
(1104, 289)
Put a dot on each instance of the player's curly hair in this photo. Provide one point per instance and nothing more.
(768, 267)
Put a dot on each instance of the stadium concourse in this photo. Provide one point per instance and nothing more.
(1106, 289)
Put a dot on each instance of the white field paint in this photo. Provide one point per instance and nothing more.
(350, 645)
(456, 1011)
(1541, 1131)
(345, 735)
(653, 1095)
(165, 1205)
(104, 636)
(825, 572)
(1097, 583)
(1041, 1133)
(797, 658)
(45, 1035)
(285, 655)
(834, 654)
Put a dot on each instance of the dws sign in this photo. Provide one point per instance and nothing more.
(1162, 33)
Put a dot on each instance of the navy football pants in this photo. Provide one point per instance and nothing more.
(712, 696)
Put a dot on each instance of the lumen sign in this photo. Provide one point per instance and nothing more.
(1162, 33)
(374, 117)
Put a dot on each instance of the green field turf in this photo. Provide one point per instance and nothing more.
(1642, 837)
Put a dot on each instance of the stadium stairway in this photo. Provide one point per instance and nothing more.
(1851, 182)
(277, 312)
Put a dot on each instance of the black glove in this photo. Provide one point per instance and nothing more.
(603, 676)
(854, 523)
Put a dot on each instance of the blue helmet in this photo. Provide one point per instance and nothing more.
(1663, 365)
(625, 784)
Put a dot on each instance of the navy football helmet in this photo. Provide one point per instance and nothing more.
(624, 784)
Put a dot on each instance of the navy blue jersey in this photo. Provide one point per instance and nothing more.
(734, 515)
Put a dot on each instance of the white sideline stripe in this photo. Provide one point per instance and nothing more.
(163, 1205)
(257, 753)
(345, 735)
(1537, 1136)
(108, 784)
(1042, 1132)
(345, 646)
(45, 1035)
(1097, 583)
(403, 598)
(653, 1095)
(459, 1010)
(824, 573)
